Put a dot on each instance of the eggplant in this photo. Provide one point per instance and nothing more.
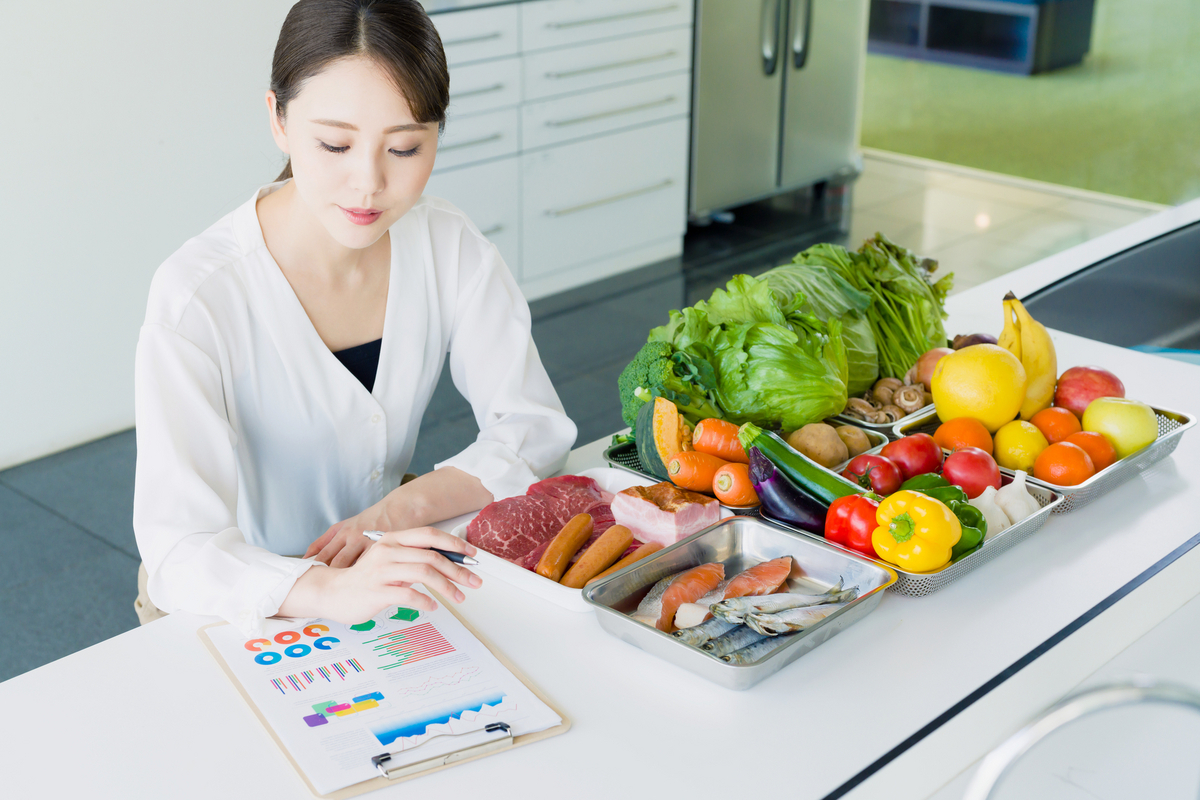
(782, 499)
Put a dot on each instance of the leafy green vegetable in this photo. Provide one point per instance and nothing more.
(817, 273)
(658, 369)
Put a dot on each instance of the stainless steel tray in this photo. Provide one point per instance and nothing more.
(885, 428)
(624, 456)
(1171, 425)
(738, 543)
(919, 584)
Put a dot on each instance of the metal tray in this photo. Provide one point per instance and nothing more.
(624, 456)
(1171, 425)
(919, 584)
(885, 428)
(739, 543)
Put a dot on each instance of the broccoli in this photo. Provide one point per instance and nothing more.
(659, 370)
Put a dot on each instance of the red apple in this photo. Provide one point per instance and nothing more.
(927, 362)
(1079, 386)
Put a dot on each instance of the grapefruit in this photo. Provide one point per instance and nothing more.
(983, 382)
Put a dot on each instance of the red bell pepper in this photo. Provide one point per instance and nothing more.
(851, 521)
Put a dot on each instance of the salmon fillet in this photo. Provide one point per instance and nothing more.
(688, 587)
(764, 578)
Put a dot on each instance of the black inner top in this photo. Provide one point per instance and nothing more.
(362, 361)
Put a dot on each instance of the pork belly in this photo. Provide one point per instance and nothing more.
(663, 512)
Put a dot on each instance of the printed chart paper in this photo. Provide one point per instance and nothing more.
(339, 694)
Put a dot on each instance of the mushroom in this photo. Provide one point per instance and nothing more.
(857, 407)
(909, 398)
(910, 377)
(928, 397)
(889, 414)
(884, 390)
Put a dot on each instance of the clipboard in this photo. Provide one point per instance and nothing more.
(499, 744)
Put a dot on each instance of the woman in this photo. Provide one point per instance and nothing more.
(289, 351)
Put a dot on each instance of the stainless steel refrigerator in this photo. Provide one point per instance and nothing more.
(777, 97)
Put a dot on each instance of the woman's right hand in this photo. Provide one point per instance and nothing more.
(382, 577)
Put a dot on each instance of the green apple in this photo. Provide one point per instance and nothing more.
(1128, 424)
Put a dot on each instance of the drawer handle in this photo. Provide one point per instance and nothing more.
(492, 231)
(473, 39)
(615, 65)
(495, 87)
(472, 142)
(562, 212)
(575, 23)
(558, 123)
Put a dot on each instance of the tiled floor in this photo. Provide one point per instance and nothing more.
(68, 579)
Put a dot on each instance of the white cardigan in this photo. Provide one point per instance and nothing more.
(252, 438)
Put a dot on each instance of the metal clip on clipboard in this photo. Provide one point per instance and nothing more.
(497, 743)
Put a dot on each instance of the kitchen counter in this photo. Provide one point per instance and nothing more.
(895, 706)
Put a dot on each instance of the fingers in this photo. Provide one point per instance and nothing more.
(401, 554)
(432, 537)
(350, 552)
(324, 539)
(426, 574)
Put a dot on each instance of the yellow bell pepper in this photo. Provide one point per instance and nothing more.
(916, 532)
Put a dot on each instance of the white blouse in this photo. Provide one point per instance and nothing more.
(252, 438)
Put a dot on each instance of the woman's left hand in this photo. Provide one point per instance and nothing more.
(343, 543)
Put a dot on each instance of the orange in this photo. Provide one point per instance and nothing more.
(963, 432)
(1056, 423)
(1099, 449)
(1063, 464)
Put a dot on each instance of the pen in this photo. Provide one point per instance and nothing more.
(457, 558)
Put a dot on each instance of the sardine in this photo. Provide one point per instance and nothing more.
(709, 629)
(793, 619)
(736, 609)
(757, 651)
(736, 639)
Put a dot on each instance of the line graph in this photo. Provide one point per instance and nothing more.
(434, 682)
(458, 716)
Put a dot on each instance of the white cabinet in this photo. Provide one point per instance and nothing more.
(566, 137)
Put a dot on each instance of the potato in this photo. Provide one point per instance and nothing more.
(855, 438)
(821, 443)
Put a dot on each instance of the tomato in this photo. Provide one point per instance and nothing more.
(914, 455)
(873, 472)
(972, 469)
(851, 521)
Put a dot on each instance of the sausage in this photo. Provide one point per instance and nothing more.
(601, 555)
(648, 548)
(553, 562)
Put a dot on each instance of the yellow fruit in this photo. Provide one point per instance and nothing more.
(983, 381)
(1018, 444)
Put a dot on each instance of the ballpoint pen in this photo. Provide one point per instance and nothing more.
(457, 558)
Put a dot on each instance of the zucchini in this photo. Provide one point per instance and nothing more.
(807, 474)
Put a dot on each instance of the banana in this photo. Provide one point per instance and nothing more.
(1037, 356)
(1010, 337)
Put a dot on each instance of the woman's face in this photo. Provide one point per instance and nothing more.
(359, 159)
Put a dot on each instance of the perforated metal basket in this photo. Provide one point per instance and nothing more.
(1171, 425)
(919, 584)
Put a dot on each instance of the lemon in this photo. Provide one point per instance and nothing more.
(1018, 444)
(983, 381)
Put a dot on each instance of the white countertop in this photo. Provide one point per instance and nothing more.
(149, 714)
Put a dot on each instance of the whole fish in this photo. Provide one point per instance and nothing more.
(757, 651)
(709, 629)
(793, 619)
(736, 639)
(736, 609)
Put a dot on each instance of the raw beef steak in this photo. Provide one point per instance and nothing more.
(512, 527)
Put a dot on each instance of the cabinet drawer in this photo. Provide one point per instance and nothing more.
(478, 34)
(590, 199)
(575, 116)
(487, 193)
(554, 23)
(486, 86)
(591, 66)
(478, 137)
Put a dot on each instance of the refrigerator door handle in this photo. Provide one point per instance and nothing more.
(801, 18)
(770, 35)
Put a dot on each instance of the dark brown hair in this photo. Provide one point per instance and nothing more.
(397, 34)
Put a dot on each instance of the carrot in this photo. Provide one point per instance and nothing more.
(732, 486)
(719, 438)
(649, 548)
(694, 470)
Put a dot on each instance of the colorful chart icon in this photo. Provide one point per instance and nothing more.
(363, 626)
(405, 614)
